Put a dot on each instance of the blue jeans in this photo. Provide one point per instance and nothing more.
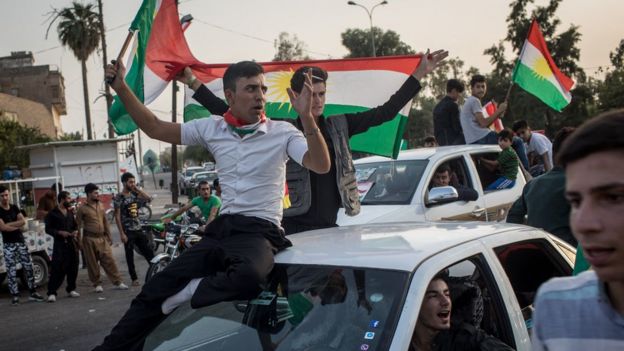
(518, 145)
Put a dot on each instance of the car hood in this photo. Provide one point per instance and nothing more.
(382, 214)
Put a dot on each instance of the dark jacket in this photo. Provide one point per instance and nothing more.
(446, 126)
(466, 337)
(56, 221)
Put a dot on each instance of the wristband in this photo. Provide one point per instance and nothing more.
(313, 132)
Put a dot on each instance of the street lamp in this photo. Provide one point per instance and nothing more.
(370, 17)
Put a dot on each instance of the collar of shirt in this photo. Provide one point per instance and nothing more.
(262, 128)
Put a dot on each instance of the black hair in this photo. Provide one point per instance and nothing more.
(454, 84)
(215, 183)
(202, 182)
(126, 176)
(560, 137)
(506, 134)
(3, 188)
(242, 69)
(601, 133)
(430, 139)
(63, 195)
(319, 75)
(477, 78)
(53, 187)
(443, 168)
(521, 124)
(89, 188)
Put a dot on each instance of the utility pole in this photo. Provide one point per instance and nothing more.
(108, 97)
(370, 18)
(174, 148)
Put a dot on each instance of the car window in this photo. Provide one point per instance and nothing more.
(389, 182)
(302, 308)
(528, 264)
(459, 176)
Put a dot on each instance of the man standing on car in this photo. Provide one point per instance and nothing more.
(127, 219)
(320, 196)
(586, 312)
(97, 240)
(15, 250)
(60, 223)
(446, 125)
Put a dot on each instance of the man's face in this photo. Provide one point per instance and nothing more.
(595, 190)
(204, 191)
(247, 102)
(524, 133)
(435, 312)
(454, 94)
(441, 179)
(94, 196)
(4, 198)
(130, 184)
(504, 143)
(479, 90)
(318, 98)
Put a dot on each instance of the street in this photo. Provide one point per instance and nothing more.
(75, 323)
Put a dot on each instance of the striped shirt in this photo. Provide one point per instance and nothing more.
(575, 314)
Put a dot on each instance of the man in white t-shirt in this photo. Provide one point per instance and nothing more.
(476, 126)
(537, 143)
(236, 254)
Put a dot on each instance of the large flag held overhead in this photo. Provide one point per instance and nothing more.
(353, 85)
(537, 73)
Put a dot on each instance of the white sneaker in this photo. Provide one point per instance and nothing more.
(99, 289)
(73, 293)
(51, 298)
(121, 286)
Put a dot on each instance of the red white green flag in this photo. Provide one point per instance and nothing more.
(537, 73)
(353, 85)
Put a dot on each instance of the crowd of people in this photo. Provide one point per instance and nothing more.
(250, 226)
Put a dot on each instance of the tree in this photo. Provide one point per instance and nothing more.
(387, 43)
(70, 136)
(289, 48)
(197, 154)
(79, 29)
(611, 90)
(13, 135)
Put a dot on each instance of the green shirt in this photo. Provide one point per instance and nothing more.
(508, 163)
(206, 206)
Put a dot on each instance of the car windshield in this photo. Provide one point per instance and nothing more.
(302, 308)
(190, 172)
(389, 182)
(206, 176)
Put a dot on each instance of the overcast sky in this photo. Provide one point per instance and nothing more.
(234, 30)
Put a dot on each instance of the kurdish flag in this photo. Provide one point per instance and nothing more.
(158, 40)
(353, 85)
(537, 73)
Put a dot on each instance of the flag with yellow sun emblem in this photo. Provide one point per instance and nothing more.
(353, 85)
(537, 73)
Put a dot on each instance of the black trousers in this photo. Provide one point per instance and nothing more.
(138, 239)
(64, 264)
(234, 258)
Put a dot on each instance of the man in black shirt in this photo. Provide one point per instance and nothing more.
(446, 125)
(60, 223)
(325, 192)
(15, 250)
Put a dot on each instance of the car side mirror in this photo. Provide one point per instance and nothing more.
(441, 195)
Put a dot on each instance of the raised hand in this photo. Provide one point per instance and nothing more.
(115, 73)
(429, 62)
(302, 102)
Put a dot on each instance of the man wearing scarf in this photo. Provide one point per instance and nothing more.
(236, 254)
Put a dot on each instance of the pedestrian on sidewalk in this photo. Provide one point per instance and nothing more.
(60, 223)
(127, 219)
(97, 240)
(15, 250)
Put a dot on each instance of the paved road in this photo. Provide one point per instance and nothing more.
(74, 323)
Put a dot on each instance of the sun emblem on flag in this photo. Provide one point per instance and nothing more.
(278, 83)
(541, 68)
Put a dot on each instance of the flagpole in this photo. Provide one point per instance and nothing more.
(124, 47)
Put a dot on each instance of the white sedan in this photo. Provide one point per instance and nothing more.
(361, 288)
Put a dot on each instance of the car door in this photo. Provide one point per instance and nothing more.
(456, 210)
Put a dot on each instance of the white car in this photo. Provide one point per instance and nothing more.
(186, 177)
(361, 288)
(398, 190)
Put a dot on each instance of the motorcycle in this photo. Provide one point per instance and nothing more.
(178, 237)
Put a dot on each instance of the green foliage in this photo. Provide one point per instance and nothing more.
(387, 43)
(70, 136)
(78, 28)
(289, 48)
(13, 135)
(611, 91)
(197, 154)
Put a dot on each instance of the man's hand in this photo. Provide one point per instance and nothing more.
(428, 63)
(502, 108)
(123, 237)
(302, 102)
(117, 71)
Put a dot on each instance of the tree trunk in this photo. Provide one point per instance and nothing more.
(85, 89)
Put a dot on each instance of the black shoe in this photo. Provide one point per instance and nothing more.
(15, 301)
(34, 296)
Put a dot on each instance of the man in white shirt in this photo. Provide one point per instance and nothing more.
(537, 143)
(236, 254)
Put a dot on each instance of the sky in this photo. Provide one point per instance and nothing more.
(234, 30)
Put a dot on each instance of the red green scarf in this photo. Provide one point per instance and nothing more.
(241, 127)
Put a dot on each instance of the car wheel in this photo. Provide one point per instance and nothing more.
(40, 271)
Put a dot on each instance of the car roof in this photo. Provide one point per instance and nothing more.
(197, 174)
(398, 246)
(426, 153)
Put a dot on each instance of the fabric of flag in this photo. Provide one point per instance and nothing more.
(286, 199)
(158, 41)
(488, 110)
(537, 73)
(353, 85)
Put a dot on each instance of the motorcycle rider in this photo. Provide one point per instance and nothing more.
(208, 203)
